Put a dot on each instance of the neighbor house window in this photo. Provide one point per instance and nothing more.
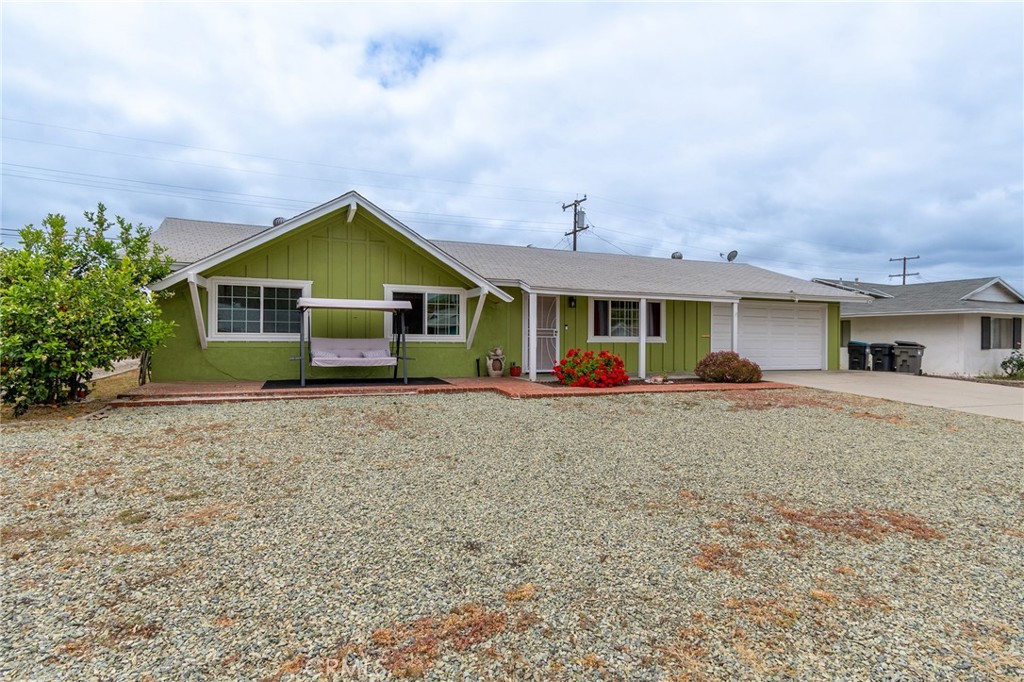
(616, 320)
(438, 313)
(1000, 332)
(255, 309)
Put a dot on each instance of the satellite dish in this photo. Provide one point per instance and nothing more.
(732, 255)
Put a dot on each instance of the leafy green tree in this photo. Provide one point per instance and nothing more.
(72, 301)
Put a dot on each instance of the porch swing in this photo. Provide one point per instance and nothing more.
(347, 352)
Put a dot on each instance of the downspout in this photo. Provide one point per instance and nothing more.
(735, 326)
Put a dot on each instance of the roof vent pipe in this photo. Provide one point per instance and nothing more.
(677, 255)
(278, 220)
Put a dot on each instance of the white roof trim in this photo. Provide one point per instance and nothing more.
(994, 312)
(813, 298)
(627, 295)
(350, 199)
(997, 280)
(353, 304)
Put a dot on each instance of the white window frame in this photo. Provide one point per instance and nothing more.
(391, 289)
(592, 338)
(213, 283)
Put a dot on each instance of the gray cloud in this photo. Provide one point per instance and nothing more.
(816, 139)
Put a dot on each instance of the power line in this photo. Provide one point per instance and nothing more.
(270, 173)
(594, 233)
(264, 157)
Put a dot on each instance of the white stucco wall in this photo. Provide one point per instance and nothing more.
(952, 342)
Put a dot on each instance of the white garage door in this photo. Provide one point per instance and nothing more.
(783, 335)
(778, 335)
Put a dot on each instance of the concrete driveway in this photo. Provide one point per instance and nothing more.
(1005, 402)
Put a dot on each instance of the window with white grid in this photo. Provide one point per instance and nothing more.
(255, 310)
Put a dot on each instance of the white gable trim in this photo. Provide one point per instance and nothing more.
(352, 200)
(988, 285)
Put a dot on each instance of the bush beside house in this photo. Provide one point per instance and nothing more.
(728, 367)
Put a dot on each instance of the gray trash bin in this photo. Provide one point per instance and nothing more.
(908, 356)
(881, 357)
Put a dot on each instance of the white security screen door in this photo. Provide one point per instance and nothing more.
(547, 334)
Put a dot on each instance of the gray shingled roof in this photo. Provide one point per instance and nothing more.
(187, 241)
(584, 272)
(924, 299)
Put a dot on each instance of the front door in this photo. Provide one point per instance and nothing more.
(547, 333)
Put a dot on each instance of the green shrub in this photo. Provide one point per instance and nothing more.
(1014, 365)
(728, 367)
(74, 300)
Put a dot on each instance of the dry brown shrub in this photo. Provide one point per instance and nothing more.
(289, 667)
(526, 620)
(868, 526)
(522, 593)
(844, 570)
(16, 533)
(824, 597)
(408, 650)
(690, 497)
(592, 661)
(763, 611)
(715, 557)
(909, 524)
(724, 526)
(204, 516)
(888, 418)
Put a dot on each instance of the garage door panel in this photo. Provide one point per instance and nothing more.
(782, 335)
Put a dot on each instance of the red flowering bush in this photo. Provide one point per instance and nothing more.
(728, 367)
(580, 368)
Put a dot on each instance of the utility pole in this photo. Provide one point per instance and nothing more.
(579, 219)
(905, 273)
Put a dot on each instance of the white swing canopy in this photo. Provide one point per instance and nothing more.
(349, 352)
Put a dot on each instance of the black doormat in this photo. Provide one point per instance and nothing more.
(324, 383)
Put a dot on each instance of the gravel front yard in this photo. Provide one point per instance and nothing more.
(787, 534)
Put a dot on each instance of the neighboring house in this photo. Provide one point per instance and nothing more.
(235, 289)
(967, 326)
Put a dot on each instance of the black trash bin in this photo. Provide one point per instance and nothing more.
(907, 357)
(858, 352)
(881, 357)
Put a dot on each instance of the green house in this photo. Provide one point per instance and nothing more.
(235, 289)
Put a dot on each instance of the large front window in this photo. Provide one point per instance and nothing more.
(617, 320)
(251, 309)
(438, 314)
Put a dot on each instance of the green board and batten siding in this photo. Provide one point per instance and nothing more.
(343, 260)
(687, 331)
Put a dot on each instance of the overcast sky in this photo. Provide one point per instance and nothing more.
(816, 139)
